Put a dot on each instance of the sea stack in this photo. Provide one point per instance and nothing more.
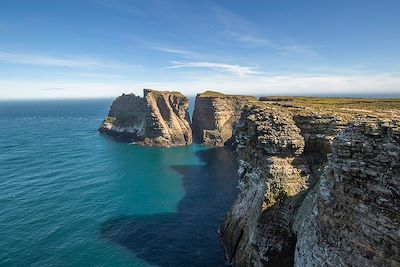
(159, 118)
(215, 115)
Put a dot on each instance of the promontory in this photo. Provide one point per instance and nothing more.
(215, 115)
(319, 178)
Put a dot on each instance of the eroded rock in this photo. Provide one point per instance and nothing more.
(215, 115)
(286, 214)
(352, 216)
(158, 119)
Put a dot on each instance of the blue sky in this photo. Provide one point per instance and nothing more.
(102, 48)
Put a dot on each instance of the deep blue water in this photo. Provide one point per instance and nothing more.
(72, 197)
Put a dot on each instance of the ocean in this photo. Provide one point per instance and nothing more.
(72, 197)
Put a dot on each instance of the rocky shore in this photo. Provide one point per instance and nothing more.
(319, 177)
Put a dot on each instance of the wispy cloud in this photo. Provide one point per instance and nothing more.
(44, 60)
(230, 68)
(53, 89)
(249, 39)
(100, 75)
(294, 84)
(383, 84)
(153, 45)
(285, 84)
(176, 51)
(240, 30)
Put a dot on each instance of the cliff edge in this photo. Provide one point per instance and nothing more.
(352, 217)
(283, 147)
(160, 118)
(215, 115)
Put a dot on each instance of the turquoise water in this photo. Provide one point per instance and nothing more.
(72, 197)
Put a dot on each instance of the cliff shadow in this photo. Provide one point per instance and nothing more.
(189, 236)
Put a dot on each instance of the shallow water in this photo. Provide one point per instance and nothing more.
(72, 197)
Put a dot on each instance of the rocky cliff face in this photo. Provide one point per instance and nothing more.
(214, 116)
(282, 151)
(281, 154)
(319, 177)
(157, 119)
(352, 216)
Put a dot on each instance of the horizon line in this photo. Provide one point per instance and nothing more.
(328, 95)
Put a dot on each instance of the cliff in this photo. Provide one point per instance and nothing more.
(319, 178)
(282, 147)
(157, 119)
(214, 116)
(352, 216)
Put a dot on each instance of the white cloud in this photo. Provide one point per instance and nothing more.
(161, 47)
(305, 84)
(100, 75)
(44, 60)
(176, 51)
(240, 30)
(230, 68)
(250, 39)
(53, 89)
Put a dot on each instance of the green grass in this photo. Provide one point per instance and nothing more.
(336, 102)
(345, 108)
(218, 94)
(211, 94)
(175, 93)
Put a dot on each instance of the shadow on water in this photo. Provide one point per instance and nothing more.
(189, 236)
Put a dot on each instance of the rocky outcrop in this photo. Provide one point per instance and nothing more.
(319, 177)
(351, 218)
(282, 152)
(257, 228)
(280, 155)
(214, 116)
(157, 119)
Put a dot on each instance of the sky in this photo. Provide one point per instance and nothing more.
(103, 48)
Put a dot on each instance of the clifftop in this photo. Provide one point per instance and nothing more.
(318, 177)
(211, 94)
(222, 95)
(156, 92)
(336, 105)
(215, 115)
(283, 146)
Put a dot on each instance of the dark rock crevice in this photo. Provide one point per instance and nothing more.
(335, 204)
(274, 177)
(282, 154)
(350, 224)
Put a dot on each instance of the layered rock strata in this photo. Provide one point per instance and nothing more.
(314, 190)
(282, 151)
(157, 119)
(280, 154)
(215, 115)
(351, 218)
